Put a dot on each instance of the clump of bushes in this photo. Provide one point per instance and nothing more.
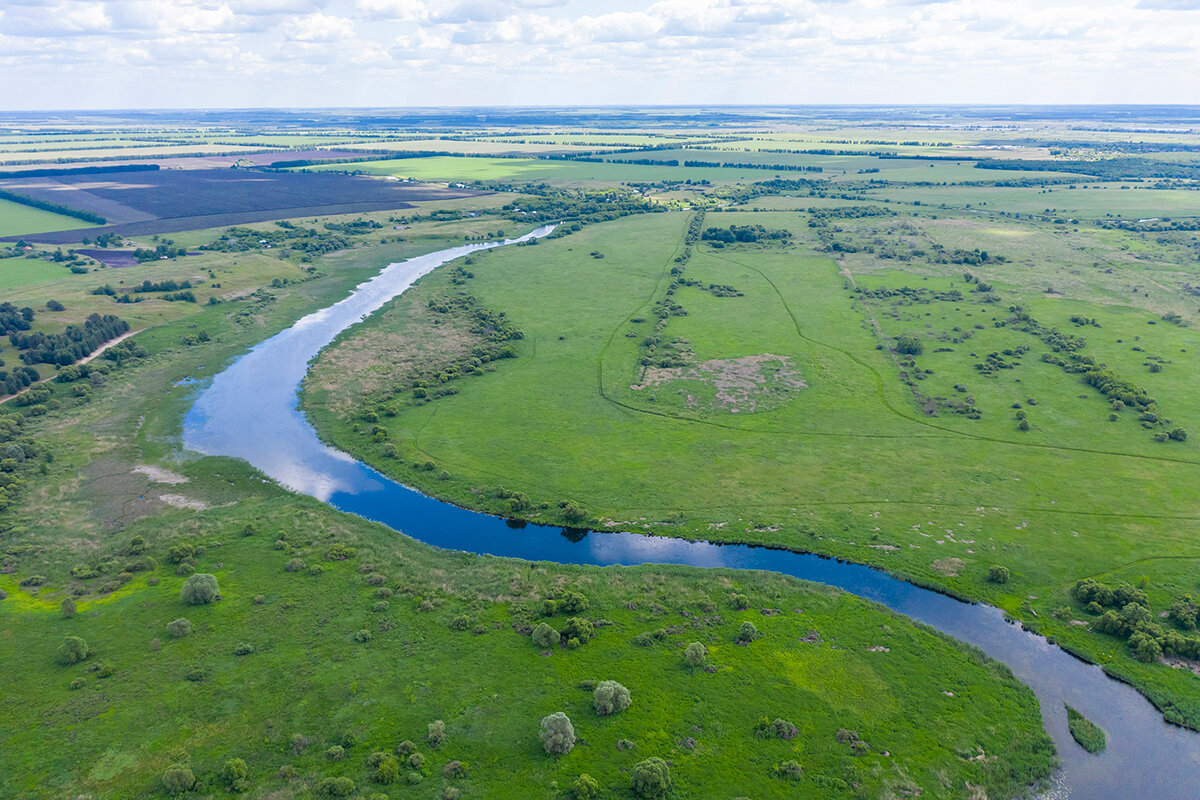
(610, 698)
(789, 769)
(651, 779)
(557, 734)
(73, 650)
(779, 728)
(179, 628)
(200, 589)
(178, 779)
(386, 767)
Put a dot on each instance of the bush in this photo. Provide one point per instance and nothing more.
(387, 768)
(557, 734)
(243, 649)
(747, 633)
(998, 574)
(178, 779)
(405, 749)
(695, 654)
(544, 636)
(336, 753)
(200, 589)
(740, 602)
(233, 775)
(780, 728)
(585, 787)
(789, 769)
(610, 698)
(78, 683)
(451, 793)
(363, 636)
(72, 650)
(437, 733)
(417, 761)
(335, 787)
(183, 551)
(294, 565)
(67, 608)
(572, 603)
(179, 628)
(574, 513)
(578, 628)
(651, 778)
(454, 769)
(909, 345)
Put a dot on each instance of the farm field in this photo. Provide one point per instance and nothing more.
(17, 219)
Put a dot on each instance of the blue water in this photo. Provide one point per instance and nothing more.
(250, 411)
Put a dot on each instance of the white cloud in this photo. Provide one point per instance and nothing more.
(317, 27)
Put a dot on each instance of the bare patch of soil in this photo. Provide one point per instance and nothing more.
(160, 475)
(742, 385)
(180, 501)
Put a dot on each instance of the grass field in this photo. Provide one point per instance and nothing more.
(294, 661)
(847, 464)
(17, 218)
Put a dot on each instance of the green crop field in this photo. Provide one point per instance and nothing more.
(17, 218)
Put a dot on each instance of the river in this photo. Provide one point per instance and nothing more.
(250, 411)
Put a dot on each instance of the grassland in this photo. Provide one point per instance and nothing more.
(857, 463)
(280, 671)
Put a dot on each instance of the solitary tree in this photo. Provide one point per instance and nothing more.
(200, 589)
(747, 633)
(557, 734)
(72, 650)
(695, 654)
(998, 574)
(610, 698)
(651, 779)
(177, 779)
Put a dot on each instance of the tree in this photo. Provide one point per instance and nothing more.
(610, 698)
(179, 628)
(747, 633)
(695, 654)
(579, 628)
(233, 774)
(68, 608)
(651, 778)
(177, 779)
(544, 636)
(585, 787)
(335, 787)
(557, 734)
(1145, 647)
(998, 574)
(909, 345)
(72, 650)
(200, 589)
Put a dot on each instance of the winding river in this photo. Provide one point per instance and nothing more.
(249, 411)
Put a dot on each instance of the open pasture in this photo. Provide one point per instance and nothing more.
(17, 219)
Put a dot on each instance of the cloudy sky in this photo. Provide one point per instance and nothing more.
(57, 54)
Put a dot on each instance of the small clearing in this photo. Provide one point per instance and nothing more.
(180, 501)
(160, 475)
(737, 385)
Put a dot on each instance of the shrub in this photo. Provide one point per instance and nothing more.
(184, 551)
(414, 778)
(376, 579)
(549, 608)
(196, 673)
(1145, 647)
(179, 628)
(574, 513)
(243, 649)
(780, 728)
(909, 345)
(72, 650)
(363, 636)
(585, 787)
(78, 683)
(299, 742)
(461, 622)
(294, 565)
(67, 608)
(340, 552)
(417, 761)
(335, 787)
(578, 628)
(379, 606)
(740, 602)
(233, 774)
(557, 734)
(387, 768)
(455, 769)
(105, 670)
(437, 733)
(789, 769)
(200, 589)
(405, 749)
(695, 654)
(651, 778)
(610, 698)
(572, 603)
(998, 574)
(643, 639)
(335, 753)
(451, 793)
(544, 636)
(747, 633)
(178, 779)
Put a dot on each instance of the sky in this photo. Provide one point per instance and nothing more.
(103, 54)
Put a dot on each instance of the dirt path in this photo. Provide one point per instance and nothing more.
(83, 360)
